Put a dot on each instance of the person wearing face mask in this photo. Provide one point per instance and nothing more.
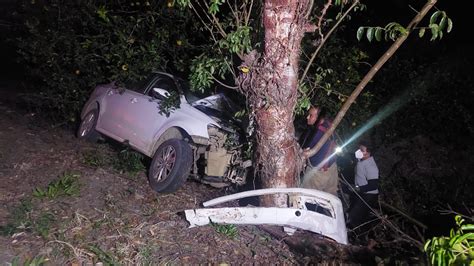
(321, 171)
(366, 184)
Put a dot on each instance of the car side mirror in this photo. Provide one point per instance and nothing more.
(161, 93)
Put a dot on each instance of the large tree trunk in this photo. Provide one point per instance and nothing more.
(271, 87)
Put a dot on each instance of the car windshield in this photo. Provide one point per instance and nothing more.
(222, 102)
(191, 96)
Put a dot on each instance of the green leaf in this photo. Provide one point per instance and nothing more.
(450, 25)
(442, 24)
(468, 236)
(370, 34)
(378, 34)
(102, 12)
(390, 25)
(435, 16)
(421, 33)
(434, 32)
(214, 7)
(467, 227)
(427, 244)
(184, 3)
(360, 32)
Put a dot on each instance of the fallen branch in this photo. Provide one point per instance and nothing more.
(411, 219)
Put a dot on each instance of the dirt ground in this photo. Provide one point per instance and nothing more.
(115, 218)
(110, 216)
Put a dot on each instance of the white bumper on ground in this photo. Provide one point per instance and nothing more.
(300, 214)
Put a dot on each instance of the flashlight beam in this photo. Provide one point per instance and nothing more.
(369, 76)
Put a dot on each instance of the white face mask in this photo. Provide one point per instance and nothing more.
(359, 154)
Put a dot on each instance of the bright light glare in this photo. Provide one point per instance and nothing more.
(393, 106)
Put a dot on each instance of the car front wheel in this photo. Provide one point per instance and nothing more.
(170, 166)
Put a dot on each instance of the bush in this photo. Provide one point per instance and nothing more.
(68, 47)
(457, 249)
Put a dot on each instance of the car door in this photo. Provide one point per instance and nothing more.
(115, 109)
(143, 117)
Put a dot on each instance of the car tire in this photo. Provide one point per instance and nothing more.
(170, 166)
(86, 129)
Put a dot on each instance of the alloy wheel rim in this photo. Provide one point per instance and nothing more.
(164, 163)
(87, 124)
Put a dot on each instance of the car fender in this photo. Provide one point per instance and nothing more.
(90, 105)
(95, 98)
(188, 126)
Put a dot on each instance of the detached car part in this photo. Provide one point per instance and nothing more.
(309, 209)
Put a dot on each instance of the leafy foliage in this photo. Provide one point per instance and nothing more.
(228, 230)
(170, 103)
(391, 31)
(439, 23)
(330, 82)
(42, 224)
(94, 159)
(203, 70)
(123, 160)
(18, 218)
(238, 41)
(129, 161)
(457, 249)
(102, 255)
(67, 185)
(21, 219)
(36, 261)
(69, 47)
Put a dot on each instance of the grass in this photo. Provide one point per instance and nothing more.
(66, 185)
(103, 256)
(36, 261)
(95, 159)
(43, 223)
(126, 160)
(228, 230)
(18, 218)
(21, 217)
(129, 161)
(145, 256)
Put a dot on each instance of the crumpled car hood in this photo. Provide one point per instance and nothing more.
(219, 107)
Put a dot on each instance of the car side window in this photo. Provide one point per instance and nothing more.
(138, 85)
(163, 82)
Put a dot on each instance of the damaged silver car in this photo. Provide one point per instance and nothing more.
(199, 138)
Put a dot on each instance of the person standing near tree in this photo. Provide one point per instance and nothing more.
(366, 184)
(321, 170)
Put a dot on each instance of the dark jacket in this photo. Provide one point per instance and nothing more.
(312, 136)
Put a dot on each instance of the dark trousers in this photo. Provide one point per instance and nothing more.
(359, 212)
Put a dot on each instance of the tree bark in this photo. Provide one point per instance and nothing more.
(271, 88)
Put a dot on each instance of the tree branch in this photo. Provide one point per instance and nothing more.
(411, 219)
(382, 60)
(248, 14)
(324, 39)
(215, 20)
(225, 85)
